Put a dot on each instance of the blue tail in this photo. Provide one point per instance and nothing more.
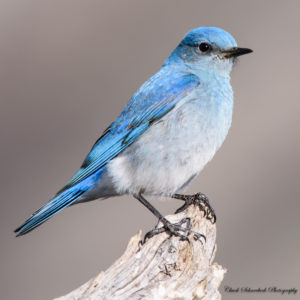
(55, 205)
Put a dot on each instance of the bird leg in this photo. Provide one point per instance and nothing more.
(201, 201)
(168, 227)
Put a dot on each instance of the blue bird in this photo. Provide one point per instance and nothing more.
(170, 129)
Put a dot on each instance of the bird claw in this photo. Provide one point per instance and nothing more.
(197, 236)
(199, 200)
(173, 229)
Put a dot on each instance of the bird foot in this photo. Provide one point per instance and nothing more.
(174, 229)
(199, 200)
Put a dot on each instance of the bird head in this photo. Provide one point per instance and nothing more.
(208, 49)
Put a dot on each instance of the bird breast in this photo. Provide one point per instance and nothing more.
(176, 148)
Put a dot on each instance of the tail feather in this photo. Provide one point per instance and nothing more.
(55, 205)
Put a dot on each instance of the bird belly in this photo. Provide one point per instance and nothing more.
(172, 151)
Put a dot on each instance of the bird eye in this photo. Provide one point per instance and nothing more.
(204, 47)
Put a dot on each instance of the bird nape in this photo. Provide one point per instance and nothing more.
(170, 129)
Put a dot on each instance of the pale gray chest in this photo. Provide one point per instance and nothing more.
(174, 149)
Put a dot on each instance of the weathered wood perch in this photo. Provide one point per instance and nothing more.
(163, 268)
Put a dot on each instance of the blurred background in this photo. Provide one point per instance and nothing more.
(67, 69)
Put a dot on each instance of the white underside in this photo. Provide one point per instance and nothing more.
(173, 151)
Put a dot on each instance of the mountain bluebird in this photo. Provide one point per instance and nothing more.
(170, 129)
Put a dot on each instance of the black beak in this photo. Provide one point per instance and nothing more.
(236, 51)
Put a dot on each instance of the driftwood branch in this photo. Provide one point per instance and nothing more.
(163, 268)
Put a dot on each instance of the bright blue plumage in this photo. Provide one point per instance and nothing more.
(52, 207)
(181, 87)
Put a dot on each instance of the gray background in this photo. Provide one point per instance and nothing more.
(67, 69)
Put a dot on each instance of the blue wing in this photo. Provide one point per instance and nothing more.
(152, 101)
